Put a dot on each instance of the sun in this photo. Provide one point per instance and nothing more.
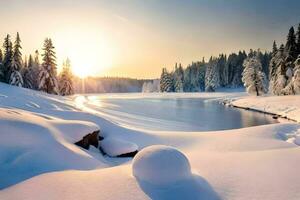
(90, 53)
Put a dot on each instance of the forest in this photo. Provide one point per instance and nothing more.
(276, 71)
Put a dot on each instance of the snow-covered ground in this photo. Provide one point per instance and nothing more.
(38, 159)
(283, 106)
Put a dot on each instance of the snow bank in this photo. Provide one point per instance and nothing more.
(284, 106)
(161, 165)
(32, 144)
(115, 147)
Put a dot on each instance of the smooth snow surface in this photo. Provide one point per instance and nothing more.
(38, 160)
(161, 165)
(284, 106)
(114, 147)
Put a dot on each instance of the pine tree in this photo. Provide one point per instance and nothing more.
(274, 49)
(17, 55)
(1, 56)
(15, 76)
(178, 78)
(166, 81)
(2, 77)
(16, 64)
(212, 81)
(296, 78)
(253, 78)
(36, 68)
(65, 80)
(290, 47)
(276, 62)
(28, 74)
(47, 76)
(281, 81)
(8, 57)
(298, 40)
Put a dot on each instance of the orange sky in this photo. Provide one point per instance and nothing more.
(132, 38)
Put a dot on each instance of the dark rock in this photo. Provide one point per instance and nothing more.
(89, 139)
(130, 154)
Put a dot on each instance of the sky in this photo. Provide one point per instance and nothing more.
(136, 38)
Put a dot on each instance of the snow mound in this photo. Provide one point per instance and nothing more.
(297, 140)
(115, 147)
(161, 165)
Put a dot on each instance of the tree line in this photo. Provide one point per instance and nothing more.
(31, 73)
(276, 72)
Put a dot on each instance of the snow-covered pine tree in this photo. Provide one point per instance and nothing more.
(36, 68)
(166, 81)
(2, 79)
(277, 80)
(47, 76)
(274, 48)
(187, 86)
(65, 79)
(298, 40)
(15, 75)
(281, 81)
(17, 55)
(28, 74)
(222, 70)
(253, 78)
(8, 56)
(16, 64)
(178, 78)
(290, 49)
(296, 78)
(212, 81)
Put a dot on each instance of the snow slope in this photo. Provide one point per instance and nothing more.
(37, 132)
(284, 106)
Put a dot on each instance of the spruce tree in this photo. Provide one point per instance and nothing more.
(16, 78)
(290, 47)
(1, 56)
(254, 78)
(296, 78)
(47, 76)
(178, 78)
(8, 57)
(274, 49)
(2, 78)
(298, 40)
(17, 55)
(212, 77)
(276, 69)
(16, 65)
(166, 81)
(65, 80)
(28, 74)
(36, 68)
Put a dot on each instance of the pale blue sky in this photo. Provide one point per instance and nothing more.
(137, 38)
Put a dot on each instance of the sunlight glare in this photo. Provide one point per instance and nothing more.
(82, 47)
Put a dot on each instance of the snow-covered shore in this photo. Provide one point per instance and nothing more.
(282, 106)
(38, 158)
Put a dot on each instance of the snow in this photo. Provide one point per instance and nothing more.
(161, 165)
(114, 147)
(283, 106)
(38, 159)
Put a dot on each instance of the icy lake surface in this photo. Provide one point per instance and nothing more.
(174, 114)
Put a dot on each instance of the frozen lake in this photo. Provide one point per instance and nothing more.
(173, 114)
